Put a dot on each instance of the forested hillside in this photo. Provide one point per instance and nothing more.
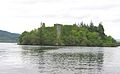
(76, 34)
(8, 37)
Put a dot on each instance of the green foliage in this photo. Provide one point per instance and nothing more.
(81, 35)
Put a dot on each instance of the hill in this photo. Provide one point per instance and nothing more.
(8, 37)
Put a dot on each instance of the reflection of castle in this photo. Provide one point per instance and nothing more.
(75, 63)
(66, 63)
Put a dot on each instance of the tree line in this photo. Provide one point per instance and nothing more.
(72, 35)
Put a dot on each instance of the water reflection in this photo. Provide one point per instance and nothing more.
(64, 63)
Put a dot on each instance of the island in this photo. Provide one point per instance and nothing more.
(68, 35)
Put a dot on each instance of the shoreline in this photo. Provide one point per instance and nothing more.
(71, 45)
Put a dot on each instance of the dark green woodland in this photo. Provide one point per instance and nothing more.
(68, 35)
(8, 37)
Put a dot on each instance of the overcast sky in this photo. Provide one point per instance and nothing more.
(20, 15)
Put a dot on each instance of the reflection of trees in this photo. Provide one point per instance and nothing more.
(64, 63)
(35, 54)
(32, 54)
(35, 50)
(78, 62)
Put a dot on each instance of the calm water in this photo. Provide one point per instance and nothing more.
(15, 59)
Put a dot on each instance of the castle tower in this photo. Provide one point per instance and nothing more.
(58, 32)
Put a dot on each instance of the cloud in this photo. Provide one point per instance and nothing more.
(93, 7)
(18, 13)
(25, 1)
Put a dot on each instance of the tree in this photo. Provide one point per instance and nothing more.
(101, 30)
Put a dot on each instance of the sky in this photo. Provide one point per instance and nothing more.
(17, 16)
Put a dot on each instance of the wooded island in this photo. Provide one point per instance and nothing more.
(68, 35)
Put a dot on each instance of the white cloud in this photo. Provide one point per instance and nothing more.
(27, 14)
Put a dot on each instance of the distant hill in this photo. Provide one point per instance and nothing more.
(8, 37)
(118, 40)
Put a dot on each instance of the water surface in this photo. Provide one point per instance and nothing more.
(25, 59)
